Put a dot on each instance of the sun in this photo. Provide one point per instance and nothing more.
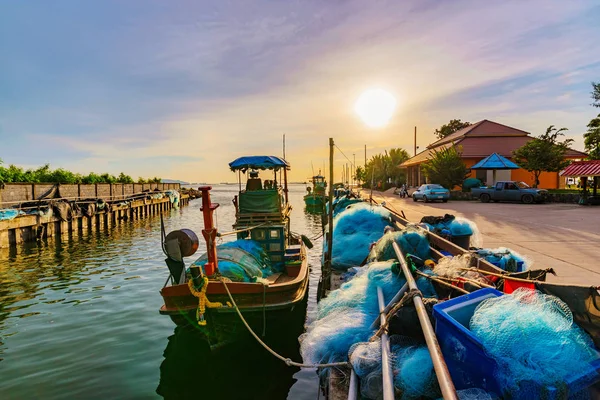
(375, 107)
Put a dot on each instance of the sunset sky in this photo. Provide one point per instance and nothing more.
(178, 89)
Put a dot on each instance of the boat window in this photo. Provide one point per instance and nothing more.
(274, 234)
(275, 258)
(274, 247)
(259, 234)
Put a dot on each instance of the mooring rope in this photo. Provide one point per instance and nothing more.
(241, 230)
(287, 361)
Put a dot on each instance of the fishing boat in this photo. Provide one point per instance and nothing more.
(456, 354)
(262, 275)
(316, 195)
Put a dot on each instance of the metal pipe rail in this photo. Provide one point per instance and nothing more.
(439, 365)
(353, 388)
(386, 362)
(390, 305)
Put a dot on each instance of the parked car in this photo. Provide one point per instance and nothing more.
(510, 191)
(431, 192)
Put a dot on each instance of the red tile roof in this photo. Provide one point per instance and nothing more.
(582, 168)
(482, 128)
(482, 139)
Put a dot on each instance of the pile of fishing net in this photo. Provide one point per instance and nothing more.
(242, 260)
(414, 377)
(450, 226)
(535, 344)
(411, 241)
(8, 214)
(505, 258)
(412, 368)
(354, 231)
(173, 196)
(455, 268)
(344, 317)
(341, 203)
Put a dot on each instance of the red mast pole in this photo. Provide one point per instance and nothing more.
(209, 232)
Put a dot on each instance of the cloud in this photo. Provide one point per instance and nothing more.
(113, 85)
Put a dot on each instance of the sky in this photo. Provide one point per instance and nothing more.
(178, 89)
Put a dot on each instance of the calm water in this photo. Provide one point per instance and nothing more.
(79, 319)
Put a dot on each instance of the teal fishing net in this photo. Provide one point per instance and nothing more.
(242, 260)
(536, 345)
(8, 214)
(410, 240)
(354, 231)
(414, 377)
(505, 258)
(344, 317)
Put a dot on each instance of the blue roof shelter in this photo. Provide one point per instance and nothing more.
(495, 162)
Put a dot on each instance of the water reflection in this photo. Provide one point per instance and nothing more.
(240, 370)
(79, 319)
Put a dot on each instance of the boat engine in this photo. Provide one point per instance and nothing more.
(176, 245)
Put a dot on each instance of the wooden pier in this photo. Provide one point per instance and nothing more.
(27, 228)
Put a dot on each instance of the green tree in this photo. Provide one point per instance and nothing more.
(544, 153)
(361, 175)
(592, 138)
(451, 127)
(122, 178)
(446, 167)
(596, 94)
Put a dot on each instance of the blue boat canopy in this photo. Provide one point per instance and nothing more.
(495, 161)
(258, 162)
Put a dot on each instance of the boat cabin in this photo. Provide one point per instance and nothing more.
(262, 208)
(319, 184)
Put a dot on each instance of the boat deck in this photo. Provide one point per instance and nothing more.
(279, 278)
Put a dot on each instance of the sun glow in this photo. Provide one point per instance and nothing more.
(375, 107)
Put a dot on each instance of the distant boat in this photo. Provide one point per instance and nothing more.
(265, 243)
(316, 195)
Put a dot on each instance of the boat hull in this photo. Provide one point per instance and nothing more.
(258, 304)
(312, 200)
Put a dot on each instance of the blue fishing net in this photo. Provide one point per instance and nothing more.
(344, 317)
(366, 362)
(505, 258)
(410, 240)
(354, 230)
(8, 213)
(535, 343)
(242, 260)
(415, 377)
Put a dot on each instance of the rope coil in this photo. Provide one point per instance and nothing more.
(408, 296)
(203, 301)
(287, 361)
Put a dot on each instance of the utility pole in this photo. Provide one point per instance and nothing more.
(284, 146)
(329, 235)
(354, 170)
(415, 140)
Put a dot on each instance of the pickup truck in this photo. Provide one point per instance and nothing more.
(509, 191)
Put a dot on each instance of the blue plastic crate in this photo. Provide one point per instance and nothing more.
(469, 365)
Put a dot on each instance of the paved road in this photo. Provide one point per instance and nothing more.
(565, 237)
